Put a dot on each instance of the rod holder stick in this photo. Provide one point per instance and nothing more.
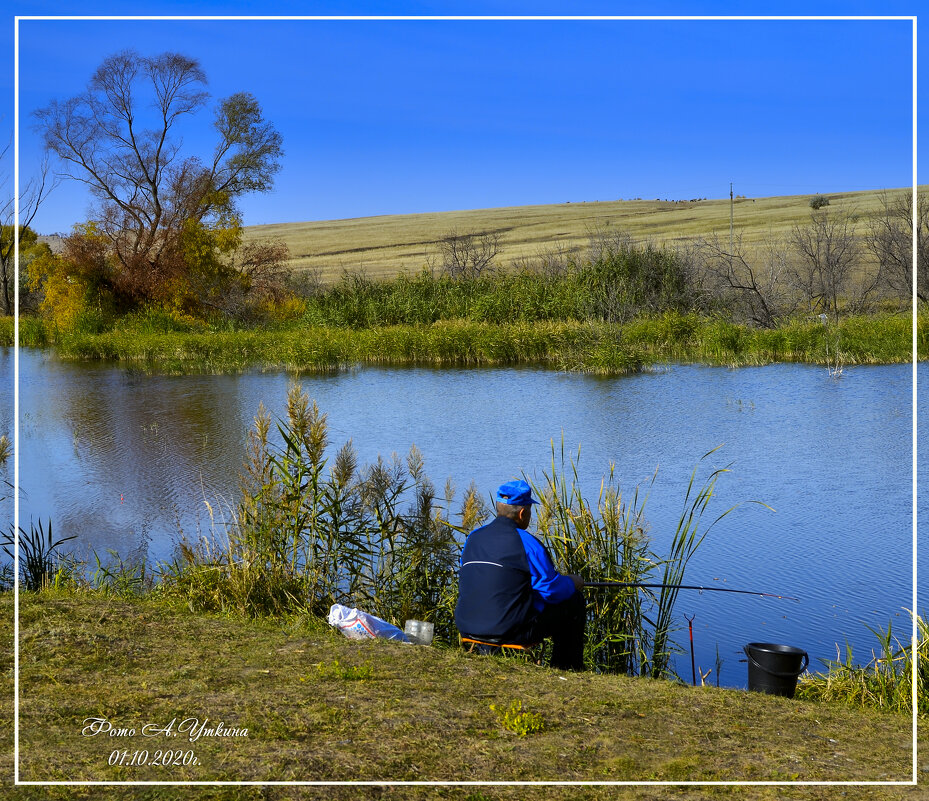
(693, 669)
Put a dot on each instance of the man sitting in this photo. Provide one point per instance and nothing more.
(509, 590)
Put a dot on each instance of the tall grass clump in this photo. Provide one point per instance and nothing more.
(884, 682)
(499, 296)
(629, 630)
(115, 576)
(39, 554)
(608, 542)
(873, 339)
(33, 332)
(310, 531)
(623, 280)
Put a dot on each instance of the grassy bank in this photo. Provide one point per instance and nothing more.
(602, 348)
(320, 707)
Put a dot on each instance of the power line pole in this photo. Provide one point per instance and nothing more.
(731, 202)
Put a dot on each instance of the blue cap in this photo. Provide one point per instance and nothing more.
(515, 493)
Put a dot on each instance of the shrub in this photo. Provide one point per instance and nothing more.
(629, 280)
(818, 201)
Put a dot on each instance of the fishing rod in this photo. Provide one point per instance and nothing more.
(620, 584)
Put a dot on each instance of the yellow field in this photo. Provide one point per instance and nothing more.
(387, 245)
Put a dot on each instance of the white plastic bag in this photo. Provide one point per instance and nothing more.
(358, 625)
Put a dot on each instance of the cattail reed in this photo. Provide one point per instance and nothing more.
(629, 630)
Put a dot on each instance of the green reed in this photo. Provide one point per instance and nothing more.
(595, 347)
(456, 343)
(503, 296)
(688, 536)
(884, 682)
(621, 281)
(115, 576)
(33, 332)
(39, 554)
(608, 541)
(307, 533)
(629, 629)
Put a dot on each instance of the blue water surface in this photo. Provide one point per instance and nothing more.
(127, 461)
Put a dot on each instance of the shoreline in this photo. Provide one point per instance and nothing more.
(588, 347)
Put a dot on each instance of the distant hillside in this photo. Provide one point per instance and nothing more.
(387, 245)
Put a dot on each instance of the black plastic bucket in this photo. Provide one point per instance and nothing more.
(773, 669)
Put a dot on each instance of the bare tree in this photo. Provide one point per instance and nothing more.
(828, 253)
(553, 262)
(468, 255)
(603, 240)
(759, 284)
(890, 239)
(118, 137)
(257, 272)
(31, 197)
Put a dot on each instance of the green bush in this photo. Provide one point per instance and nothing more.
(818, 201)
(617, 286)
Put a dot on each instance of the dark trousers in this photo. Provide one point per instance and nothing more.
(564, 623)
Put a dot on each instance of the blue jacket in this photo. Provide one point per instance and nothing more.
(506, 578)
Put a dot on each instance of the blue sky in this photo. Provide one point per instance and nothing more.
(393, 117)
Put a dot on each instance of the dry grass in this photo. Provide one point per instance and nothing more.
(320, 707)
(388, 245)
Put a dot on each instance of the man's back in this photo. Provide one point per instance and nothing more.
(495, 590)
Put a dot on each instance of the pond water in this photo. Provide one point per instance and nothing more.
(126, 460)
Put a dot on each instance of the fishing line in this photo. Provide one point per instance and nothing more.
(621, 584)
